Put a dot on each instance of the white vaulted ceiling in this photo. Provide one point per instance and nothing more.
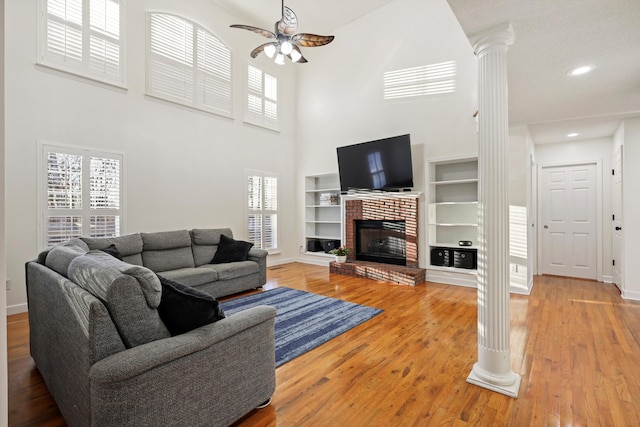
(552, 36)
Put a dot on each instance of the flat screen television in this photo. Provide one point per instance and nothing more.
(383, 164)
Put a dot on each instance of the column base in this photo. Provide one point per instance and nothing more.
(508, 385)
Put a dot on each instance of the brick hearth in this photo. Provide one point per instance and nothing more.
(383, 272)
(383, 207)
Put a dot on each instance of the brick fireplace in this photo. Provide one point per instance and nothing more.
(382, 207)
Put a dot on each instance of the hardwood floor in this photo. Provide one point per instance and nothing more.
(575, 343)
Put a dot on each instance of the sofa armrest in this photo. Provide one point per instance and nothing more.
(216, 373)
(259, 256)
(138, 360)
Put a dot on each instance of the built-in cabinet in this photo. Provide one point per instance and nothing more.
(323, 215)
(452, 199)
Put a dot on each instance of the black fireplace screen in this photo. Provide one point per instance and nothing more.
(381, 241)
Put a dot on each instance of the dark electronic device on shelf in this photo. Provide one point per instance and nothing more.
(441, 257)
(464, 258)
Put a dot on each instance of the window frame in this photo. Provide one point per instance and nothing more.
(193, 101)
(48, 61)
(44, 147)
(262, 211)
(261, 120)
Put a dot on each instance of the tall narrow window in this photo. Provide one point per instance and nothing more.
(83, 37)
(262, 215)
(81, 194)
(188, 65)
(262, 98)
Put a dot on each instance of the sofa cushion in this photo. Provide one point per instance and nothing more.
(192, 276)
(184, 308)
(59, 257)
(167, 250)
(230, 250)
(130, 293)
(129, 246)
(205, 243)
(232, 270)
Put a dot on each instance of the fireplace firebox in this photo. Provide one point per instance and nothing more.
(381, 241)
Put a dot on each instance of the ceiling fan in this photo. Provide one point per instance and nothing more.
(286, 42)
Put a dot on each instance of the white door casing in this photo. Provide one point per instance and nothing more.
(568, 222)
(616, 195)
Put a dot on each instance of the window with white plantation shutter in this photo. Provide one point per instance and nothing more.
(431, 79)
(82, 192)
(262, 98)
(188, 65)
(83, 37)
(262, 216)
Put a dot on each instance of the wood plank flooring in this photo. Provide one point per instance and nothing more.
(576, 344)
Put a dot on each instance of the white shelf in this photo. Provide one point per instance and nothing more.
(322, 221)
(457, 181)
(452, 214)
(452, 246)
(441, 224)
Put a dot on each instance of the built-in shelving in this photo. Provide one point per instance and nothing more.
(452, 214)
(323, 215)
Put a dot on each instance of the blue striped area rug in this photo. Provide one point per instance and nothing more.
(304, 320)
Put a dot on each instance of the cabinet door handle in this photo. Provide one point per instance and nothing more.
(618, 228)
(546, 226)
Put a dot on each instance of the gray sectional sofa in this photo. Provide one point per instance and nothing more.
(106, 356)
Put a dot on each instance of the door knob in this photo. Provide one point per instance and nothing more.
(546, 226)
(618, 228)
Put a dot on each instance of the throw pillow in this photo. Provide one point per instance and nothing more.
(183, 308)
(230, 250)
(113, 251)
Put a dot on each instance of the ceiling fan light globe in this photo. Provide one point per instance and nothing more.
(270, 50)
(295, 55)
(286, 47)
(279, 59)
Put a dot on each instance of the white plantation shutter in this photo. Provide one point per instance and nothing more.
(419, 81)
(188, 65)
(262, 98)
(83, 37)
(83, 193)
(104, 43)
(262, 217)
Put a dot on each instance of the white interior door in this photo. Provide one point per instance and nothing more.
(616, 192)
(568, 220)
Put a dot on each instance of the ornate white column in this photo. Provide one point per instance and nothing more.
(493, 369)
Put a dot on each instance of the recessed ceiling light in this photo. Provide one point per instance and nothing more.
(580, 70)
(572, 134)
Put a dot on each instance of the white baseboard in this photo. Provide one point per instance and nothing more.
(323, 261)
(280, 261)
(16, 309)
(607, 279)
(634, 295)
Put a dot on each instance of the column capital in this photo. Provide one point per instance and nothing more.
(496, 38)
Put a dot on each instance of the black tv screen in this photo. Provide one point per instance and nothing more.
(383, 164)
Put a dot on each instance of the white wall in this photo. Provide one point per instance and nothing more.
(628, 135)
(522, 235)
(340, 99)
(4, 387)
(587, 151)
(183, 168)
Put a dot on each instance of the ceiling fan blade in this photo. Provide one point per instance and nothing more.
(289, 22)
(311, 40)
(267, 34)
(255, 52)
